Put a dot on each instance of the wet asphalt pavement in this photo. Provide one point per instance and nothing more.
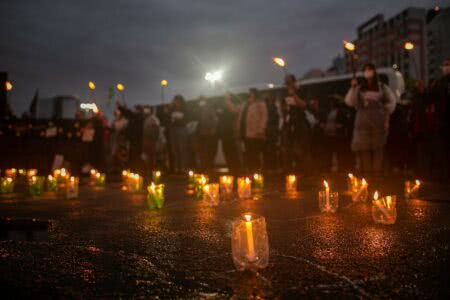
(107, 244)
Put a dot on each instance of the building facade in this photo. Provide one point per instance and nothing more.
(381, 42)
(438, 40)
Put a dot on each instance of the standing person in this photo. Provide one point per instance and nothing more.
(322, 159)
(134, 134)
(149, 139)
(374, 102)
(440, 99)
(296, 128)
(272, 135)
(251, 126)
(206, 135)
(119, 142)
(229, 137)
(178, 134)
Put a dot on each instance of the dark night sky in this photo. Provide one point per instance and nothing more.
(59, 45)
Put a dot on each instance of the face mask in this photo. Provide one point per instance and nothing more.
(368, 74)
(446, 70)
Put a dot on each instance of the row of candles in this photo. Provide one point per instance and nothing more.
(250, 245)
(60, 179)
(134, 183)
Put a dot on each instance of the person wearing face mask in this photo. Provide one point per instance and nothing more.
(374, 102)
(251, 127)
(440, 101)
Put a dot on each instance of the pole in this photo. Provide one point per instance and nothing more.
(162, 94)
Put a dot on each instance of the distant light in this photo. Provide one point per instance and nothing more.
(437, 8)
(279, 61)
(394, 66)
(89, 106)
(213, 76)
(270, 85)
(91, 85)
(408, 46)
(349, 46)
(120, 87)
(8, 86)
(164, 82)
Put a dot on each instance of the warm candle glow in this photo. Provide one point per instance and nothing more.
(279, 61)
(375, 196)
(364, 182)
(325, 184)
(250, 241)
(191, 173)
(349, 46)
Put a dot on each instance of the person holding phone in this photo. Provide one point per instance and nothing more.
(374, 102)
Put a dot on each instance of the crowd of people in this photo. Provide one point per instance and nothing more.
(370, 131)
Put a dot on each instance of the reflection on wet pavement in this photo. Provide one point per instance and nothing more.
(107, 244)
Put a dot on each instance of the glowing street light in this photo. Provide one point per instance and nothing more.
(279, 61)
(408, 46)
(91, 85)
(164, 83)
(212, 77)
(120, 87)
(8, 86)
(349, 46)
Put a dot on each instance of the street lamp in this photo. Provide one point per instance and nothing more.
(91, 85)
(121, 88)
(164, 83)
(351, 48)
(212, 77)
(409, 46)
(8, 86)
(281, 63)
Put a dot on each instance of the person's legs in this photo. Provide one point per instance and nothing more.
(366, 161)
(377, 160)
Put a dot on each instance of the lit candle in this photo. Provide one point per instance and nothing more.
(362, 189)
(244, 187)
(31, 173)
(226, 184)
(11, 173)
(100, 179)
(72, 187)
(52, 184)
(291, 184)
(36, 185)
(412, 191)
(191, 177)
(200, 181)
(381, 206)
(155, 197)
(327, 194)
(7, 185)
(211, 194)
(258, 181)
(250, 242)
(156, 175)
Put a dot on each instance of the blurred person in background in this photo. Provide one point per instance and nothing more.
(119, 142)
(150, 138)
(251, 127)
(178, 134)
(272, 135)
(206, 135)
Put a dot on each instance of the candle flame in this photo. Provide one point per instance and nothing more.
(191, 173)
(349, 46)
(291, 178)
(388, 201)
(50, 177)
(256, 176)
(158, 173)
(124, 173)
(247, 180)
(363, 181)
(248, 217)
(9, 179)
(350, 175)
(375, 196)
(325, 184)
(417, 182)
(93, 171)
(72, 179)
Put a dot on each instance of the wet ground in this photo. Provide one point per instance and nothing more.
(107, 244)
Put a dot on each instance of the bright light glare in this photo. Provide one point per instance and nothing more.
(214, 76)
(279, 61)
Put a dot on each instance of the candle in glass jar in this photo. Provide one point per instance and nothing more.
(291, 184)
(36, 185)
(258, 181)
(7, 185)
(211, 194)
(156, 175)
(155, 197)
(250, 240)
(11, 173)
(361, 194)
(226, 184)
(52, 184)
(244, 187)
(72, 187)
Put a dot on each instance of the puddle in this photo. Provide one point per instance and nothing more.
(24, 229)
